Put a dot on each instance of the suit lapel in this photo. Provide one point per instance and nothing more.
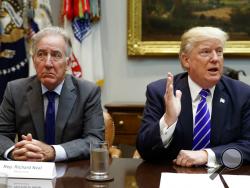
(219, 111)
(35, 102)
(66, 103)
(185, 120)
(218, 118)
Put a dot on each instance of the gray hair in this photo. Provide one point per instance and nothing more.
(51, 30)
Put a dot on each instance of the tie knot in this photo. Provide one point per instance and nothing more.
(51, 95)
(204, 93)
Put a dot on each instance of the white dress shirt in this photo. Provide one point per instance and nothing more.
(59, 150)
(167, 132)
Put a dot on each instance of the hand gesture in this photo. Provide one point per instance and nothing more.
(172, 102)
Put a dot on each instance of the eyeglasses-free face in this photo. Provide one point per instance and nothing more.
(205, 62)
(208, 52)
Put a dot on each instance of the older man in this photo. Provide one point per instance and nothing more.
(193, 117)
(54, 115)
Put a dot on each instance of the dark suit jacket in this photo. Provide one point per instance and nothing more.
(230, 121)
(79, 116)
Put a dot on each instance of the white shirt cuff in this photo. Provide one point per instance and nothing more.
(60, 153)
(166, 132)
(211, 159)
(59, 150)
(6, 153)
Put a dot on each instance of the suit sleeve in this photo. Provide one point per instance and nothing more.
(7, 122)
(149, 142)
(92, 127)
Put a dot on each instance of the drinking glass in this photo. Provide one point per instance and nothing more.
(99, 160)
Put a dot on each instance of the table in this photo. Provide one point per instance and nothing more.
(127, 173)
(123, 170)
(130, 173)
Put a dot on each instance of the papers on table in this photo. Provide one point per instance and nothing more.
(179, 180)
(236, 181)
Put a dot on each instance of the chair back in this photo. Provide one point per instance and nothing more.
(109, 129)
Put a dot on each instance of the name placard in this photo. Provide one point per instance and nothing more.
(25, 169)
(31, 183)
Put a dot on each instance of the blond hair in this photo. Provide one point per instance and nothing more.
(198, 34)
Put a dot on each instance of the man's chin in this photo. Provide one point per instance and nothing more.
(213, 80)
(48, 82)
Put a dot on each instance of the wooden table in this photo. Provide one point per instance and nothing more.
(127, 173)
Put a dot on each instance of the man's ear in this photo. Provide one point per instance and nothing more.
(33, 61)
(68, 63)
(185, 60)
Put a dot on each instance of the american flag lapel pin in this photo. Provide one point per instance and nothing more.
(222, 100)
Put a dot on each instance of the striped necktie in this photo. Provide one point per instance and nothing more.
(201, 134)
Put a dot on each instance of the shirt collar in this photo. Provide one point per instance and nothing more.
(195, 89)
(58, 88)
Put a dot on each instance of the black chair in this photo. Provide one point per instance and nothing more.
(232, 73)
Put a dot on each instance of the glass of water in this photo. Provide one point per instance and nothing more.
(99, 160)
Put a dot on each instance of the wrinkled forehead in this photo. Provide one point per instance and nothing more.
(52, 43)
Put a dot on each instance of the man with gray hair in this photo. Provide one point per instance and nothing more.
(193, 117)
(54, 115)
